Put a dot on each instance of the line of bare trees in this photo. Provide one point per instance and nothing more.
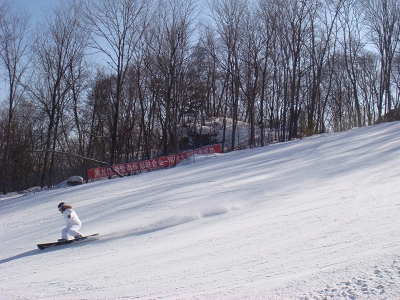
(117, 80)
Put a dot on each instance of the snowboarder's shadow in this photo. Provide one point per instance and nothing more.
(21, 255)
(36, 252)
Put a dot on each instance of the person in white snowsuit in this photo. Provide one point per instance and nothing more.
(73, 224)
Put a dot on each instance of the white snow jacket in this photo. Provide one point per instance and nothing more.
(71, 218)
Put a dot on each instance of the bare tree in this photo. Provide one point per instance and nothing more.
(295, 23)
(268, 17)
(117, 27)
(228, 17)
(321, 47)
(59, 48)
(169, 41)
(383, 20)
(251, 57)
(99, 115)
(353, 45)
(210, 64)
(13, 50)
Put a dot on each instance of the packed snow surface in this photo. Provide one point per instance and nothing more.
(306, 219)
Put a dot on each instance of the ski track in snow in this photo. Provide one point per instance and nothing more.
(310, 219)
(174, 220)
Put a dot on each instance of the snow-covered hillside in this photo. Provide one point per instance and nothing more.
(304, 219)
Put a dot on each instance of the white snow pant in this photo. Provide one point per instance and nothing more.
(71, 230)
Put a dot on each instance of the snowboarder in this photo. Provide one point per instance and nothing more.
(73, 224)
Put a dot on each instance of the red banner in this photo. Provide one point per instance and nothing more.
(159, 162)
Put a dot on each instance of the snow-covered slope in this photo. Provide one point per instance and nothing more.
(313, 218)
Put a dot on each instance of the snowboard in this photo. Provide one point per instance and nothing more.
(55, 244)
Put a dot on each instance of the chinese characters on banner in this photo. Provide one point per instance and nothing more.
(159, 162)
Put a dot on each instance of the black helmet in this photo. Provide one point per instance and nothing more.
(62, 206)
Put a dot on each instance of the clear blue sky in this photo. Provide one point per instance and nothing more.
(35, 7)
